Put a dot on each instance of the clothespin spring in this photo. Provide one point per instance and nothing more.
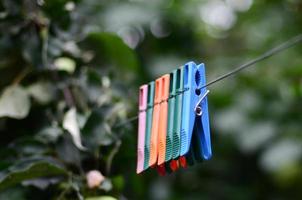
(197, 109)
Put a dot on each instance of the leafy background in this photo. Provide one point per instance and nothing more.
(70, 72)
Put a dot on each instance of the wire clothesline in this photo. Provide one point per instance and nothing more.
(285, 45)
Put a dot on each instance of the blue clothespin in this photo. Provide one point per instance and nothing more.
(195, 129)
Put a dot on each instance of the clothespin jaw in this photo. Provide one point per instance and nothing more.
(194, 79)
(163, 119)
(150, 102)
(141, 128)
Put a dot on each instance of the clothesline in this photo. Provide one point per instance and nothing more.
(285, 45)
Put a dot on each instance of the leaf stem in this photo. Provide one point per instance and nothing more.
(21, 75)
(111, 156)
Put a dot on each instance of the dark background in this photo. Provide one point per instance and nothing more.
(70, 73)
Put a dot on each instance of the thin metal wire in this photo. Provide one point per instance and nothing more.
(286, 45)
(197, 106)
(289, 43)
(131, 119)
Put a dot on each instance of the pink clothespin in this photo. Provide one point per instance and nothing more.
(143, 91)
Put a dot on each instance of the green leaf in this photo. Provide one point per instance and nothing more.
(71, 124)
(65, 64)
(13, 194)
(106, 185)
(67, 151)
(114, 50)
(41, 183)
(14, 102)
(30, 171)
(42, 92)
(32, 48)
(96, 131)
(101, 198)
(27, 146)
(49, 134)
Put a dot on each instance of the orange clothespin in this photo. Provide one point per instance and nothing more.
(155, 123)
(163, 119)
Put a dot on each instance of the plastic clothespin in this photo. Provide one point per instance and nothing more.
(178, 112)
(175, 112)
(155, 123)
(149, 117)
(195, 120)
(171, 108)
(163, 119)
(141, 128)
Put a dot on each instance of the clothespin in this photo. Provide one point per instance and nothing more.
(163, 119)
(141, 128)
(176, 117)
(155, 123)
(177, 131)
(195, 120)
(171, 114)
(149, 119)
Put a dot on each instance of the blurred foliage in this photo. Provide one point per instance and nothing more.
(69, 76)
